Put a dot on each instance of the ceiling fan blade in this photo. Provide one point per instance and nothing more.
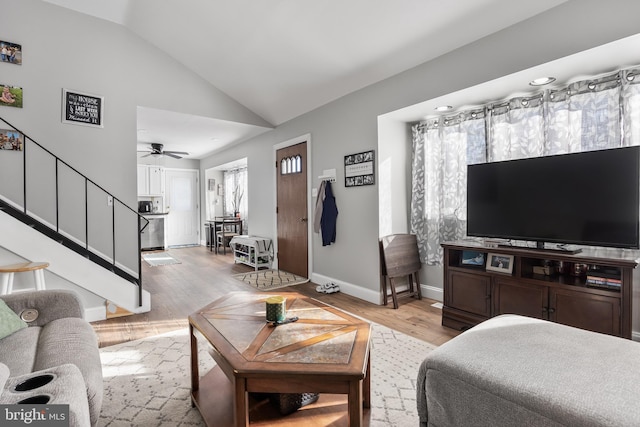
(170, 154)
(184, 153)
(146, 155)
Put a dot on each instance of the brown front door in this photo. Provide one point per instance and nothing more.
(291, 209)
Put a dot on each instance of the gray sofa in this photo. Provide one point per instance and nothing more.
(59, 343)
(514, 370)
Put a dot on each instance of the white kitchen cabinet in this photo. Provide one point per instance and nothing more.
(150, 180)
(156, 181)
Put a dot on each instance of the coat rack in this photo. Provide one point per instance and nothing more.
(328, 175)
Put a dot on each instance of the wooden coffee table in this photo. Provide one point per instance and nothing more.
(325, 351)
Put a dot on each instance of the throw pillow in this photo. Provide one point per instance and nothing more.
(9, 321)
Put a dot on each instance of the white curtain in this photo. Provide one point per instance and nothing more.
(587, 115)
(235, 192)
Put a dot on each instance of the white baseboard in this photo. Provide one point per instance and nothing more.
(349, 288)
(635, 336)
(432, 292)
(374, 297)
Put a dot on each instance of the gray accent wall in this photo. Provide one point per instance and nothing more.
(350, 125)
(64, 49)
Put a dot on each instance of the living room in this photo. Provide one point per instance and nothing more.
(107, 59)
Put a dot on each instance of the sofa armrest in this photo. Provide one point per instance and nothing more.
(51, 304)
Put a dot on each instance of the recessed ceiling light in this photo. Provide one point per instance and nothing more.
(542, 81)
(444, 108)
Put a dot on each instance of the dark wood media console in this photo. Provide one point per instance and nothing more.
(473, 294)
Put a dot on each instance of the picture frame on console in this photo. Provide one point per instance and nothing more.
(473, 259)
(500, 263)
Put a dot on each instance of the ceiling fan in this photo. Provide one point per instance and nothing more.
(156, 150)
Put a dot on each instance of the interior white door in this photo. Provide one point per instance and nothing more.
(181, 187)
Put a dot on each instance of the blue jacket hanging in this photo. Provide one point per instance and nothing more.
(329, 216)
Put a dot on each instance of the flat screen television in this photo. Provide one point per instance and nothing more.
(589, 198)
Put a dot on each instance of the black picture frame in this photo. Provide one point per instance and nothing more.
(473, 259)
(359, 169)
(82, 108)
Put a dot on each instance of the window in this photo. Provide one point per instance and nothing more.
(290, 165)
(587, 115)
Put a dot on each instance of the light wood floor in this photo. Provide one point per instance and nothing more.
(202, 276)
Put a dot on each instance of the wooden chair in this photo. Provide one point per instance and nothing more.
(399, 258)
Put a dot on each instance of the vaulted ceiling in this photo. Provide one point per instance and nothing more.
(283, 58)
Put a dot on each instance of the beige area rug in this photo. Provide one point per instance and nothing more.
(147, 382)
(267, 280)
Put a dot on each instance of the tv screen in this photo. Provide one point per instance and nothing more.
(589, 198)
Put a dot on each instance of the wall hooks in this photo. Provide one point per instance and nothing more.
(328, 175)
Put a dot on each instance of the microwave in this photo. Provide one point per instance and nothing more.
(145, 206)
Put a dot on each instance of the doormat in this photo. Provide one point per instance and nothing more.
(266, 280)
(159, 258)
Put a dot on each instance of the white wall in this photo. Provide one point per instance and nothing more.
(65, 49)
(350, 125)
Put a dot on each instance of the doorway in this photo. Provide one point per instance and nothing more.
(291, 209)
(182, 204)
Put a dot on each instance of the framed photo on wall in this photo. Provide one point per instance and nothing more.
(500, 263)
(10, 52)
(359, 169)
(11, 96)
(11, 140)
(82, 108)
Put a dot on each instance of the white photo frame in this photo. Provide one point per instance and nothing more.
(500, 263)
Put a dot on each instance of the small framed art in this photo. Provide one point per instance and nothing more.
(473, 259)
(82, 108)
(359, 169)
(11, 96)
(11, 140)
(11, 53)
(500, 263)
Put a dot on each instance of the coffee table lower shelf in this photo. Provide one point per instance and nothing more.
(214, 400)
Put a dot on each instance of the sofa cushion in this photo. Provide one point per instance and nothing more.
(72, 340)
(9, 321)
(18, 350)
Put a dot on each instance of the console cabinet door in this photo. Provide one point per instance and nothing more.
(526, 299)
(584, 310)
(469, 292)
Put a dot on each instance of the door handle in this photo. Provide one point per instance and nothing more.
(303, 219)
